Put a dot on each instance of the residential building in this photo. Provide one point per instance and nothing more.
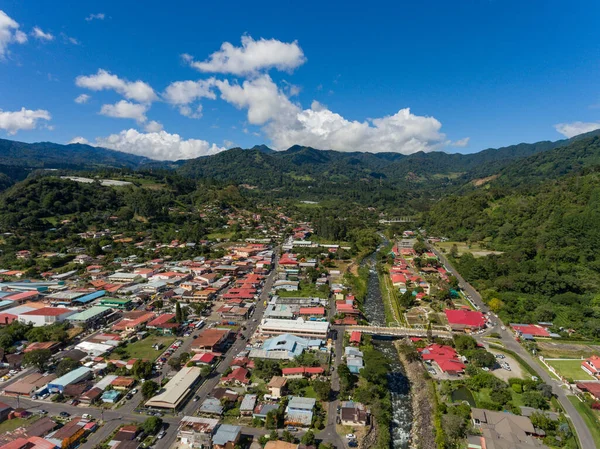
(299, 411)
(354, 414)
(591, 366)
(46, 316)
(276, 386)
(502, 430)
(465, 320)
(226, 436)
(210, 340)
(197, 432)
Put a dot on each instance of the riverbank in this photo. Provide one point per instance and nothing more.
(423, 399)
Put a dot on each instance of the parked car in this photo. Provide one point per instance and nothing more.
(350, 436)
(86, 416)
(161, 434)
(196, 398)
(43, 412)
(64, 414)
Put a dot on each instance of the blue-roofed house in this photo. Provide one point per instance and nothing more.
(299, 411)
(72, 377)
(354, 359)
(285, 346)
(226, 436)
(262, 410)
(89, 298)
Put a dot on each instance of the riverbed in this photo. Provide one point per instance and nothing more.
(398, 383)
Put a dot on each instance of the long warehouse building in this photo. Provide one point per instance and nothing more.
(178, 388)
(299, 327)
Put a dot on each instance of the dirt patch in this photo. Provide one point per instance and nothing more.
(551, 350)
(481, 181)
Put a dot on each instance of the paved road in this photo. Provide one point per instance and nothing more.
(329, 433)
(583, 432)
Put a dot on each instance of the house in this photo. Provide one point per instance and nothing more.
(91, 396)
(276, 386)
(72, 377)
(226, 436)
(69, 434)
(354, 359)
(355, 338)
(248, 404)
(239, 376)
(4, 411)
(465, 320)
(312, 312)
(299, 411)
(591, 366)
(165, 324)
(111, 396)
(46, 316)
(532, 330)
(197, 432)
(592, 388)
(445, 357)
(210, 340)
(501, 430)
(354, 414)
(211, 406)
(123, 383)
(284, 347)
(133, 321)
(299, 372)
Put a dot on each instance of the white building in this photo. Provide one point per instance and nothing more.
(299, 327)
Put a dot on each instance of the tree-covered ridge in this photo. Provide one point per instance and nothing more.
(549, 236)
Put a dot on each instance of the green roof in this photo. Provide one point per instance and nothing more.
(115, 300)
(88, 313)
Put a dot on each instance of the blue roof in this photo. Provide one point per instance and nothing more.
(291, 343)
(6, 303)
(87, 298)
(226, 433)
(71, 376)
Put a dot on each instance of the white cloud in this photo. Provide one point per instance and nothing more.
(287, 124)
(187, 111)
(9, 33)
(125, 109)
(185, 92)
(158, 145)
(99, 16)
(228, 143)
(23, 119)
(461, 142)
(83, 98)
(79, 139)
(39, 34)
(153, 127)
(573, 129)
(132, 90)
(69, 40)
(251, 57)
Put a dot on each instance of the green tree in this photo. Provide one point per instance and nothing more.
(152, 425)
(322, 388)
(65, 366)
(308, 439)
(149, 389)
(38, 359)
(178, 313)
(141, 369)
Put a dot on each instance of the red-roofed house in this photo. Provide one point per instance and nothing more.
(445, 357)
(206, 358)
(592, 388)
(355, 337)
(164, 323)
(591, 366)
(312, 311)
(347, 309)
(238, 376)
(531, 329)
(463, 319)
(46, 316)
(133, 321)
(309, 371)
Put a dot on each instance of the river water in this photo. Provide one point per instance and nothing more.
(398, 383)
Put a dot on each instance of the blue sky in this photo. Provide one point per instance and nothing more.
(391, 76)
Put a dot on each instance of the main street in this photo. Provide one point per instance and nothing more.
(583, 432)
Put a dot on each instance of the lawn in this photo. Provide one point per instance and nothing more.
(143, 349)
(588, 416)
(12, 424)
(463, 247)
(570, 369)
(483, 395)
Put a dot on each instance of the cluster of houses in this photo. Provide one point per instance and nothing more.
(43, 433)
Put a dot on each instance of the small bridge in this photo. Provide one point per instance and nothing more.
(398, 220)
(398, 331)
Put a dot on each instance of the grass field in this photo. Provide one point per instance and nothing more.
(143, 349)
(463, 247)
(570, 369)
(12, 424)
(589, 417)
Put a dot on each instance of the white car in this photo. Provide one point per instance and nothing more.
(350, 436)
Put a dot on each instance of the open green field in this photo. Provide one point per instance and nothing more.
(219, 235)
(463, 247)
(12, 424)
(591, 420)
(143, 349)
(570, 369)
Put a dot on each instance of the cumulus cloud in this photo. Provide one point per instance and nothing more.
(287, 124)
(251, 57)
(83, 98)
(98, 16)
(187, 111)
(104, 80)
(153, 126)
(461, 143)
(573, 129)
(158, 145)
(185, 92)
(22, 120)
(41, 35)
(79, 139)
(9, 33)
(126, 109)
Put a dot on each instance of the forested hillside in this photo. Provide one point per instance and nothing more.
(549, 235)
